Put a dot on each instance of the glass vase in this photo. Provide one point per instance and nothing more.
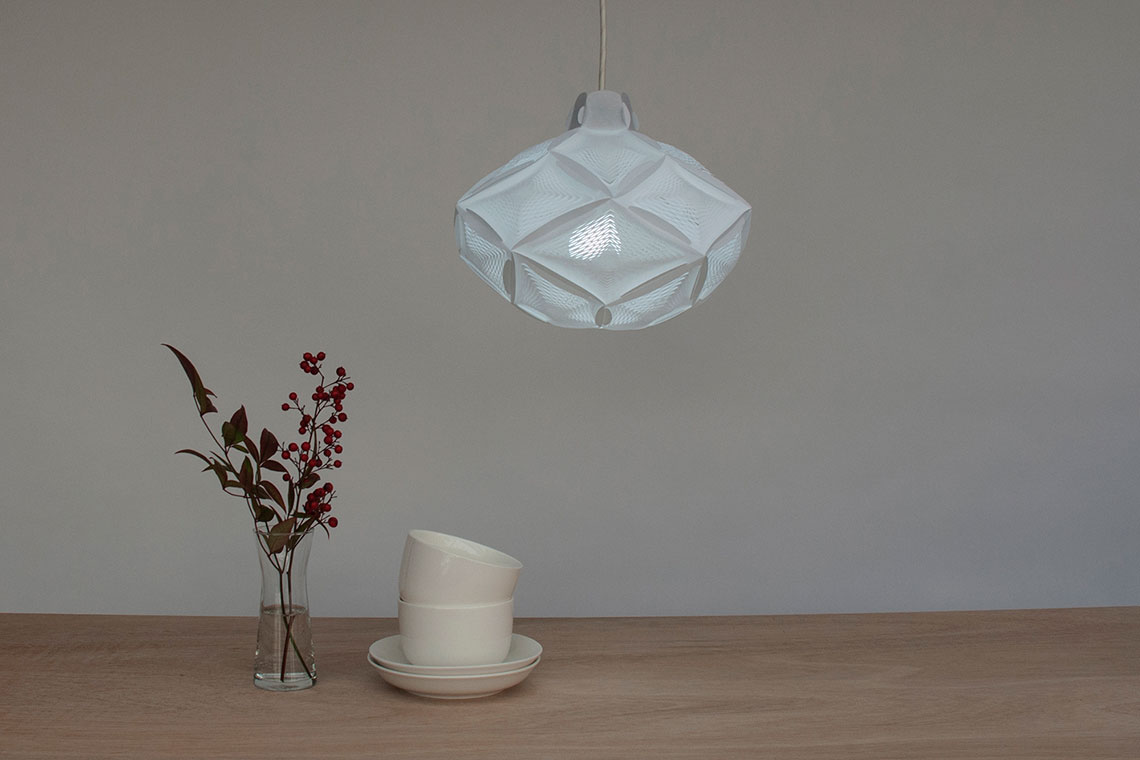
(284, 660)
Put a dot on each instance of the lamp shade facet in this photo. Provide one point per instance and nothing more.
(602, 226)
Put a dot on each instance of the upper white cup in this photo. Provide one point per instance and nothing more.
(442, 569)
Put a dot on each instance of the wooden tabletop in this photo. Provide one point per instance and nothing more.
(1037, 684)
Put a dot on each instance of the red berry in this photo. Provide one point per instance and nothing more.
(300, 431)
(305, 366)
(284, 454)
(304, 457)
(292, 396)
(338, 448)
(336, 434)
(284, 407)
(342, 416)
(308, 356)
(337, 463)
(332, 522)
(350, 386)
(305, 446)
(286, 477)
(316, 462)
(328, 487)
(321, 356)
(340, 372)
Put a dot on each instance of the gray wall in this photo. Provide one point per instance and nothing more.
(919, 389)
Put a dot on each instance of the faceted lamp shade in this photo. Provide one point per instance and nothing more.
(602, 226)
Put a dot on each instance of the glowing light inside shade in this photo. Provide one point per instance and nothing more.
(592, 239)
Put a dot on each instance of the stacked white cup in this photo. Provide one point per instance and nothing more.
(456, 600)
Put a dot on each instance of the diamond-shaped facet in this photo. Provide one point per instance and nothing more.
(677, 197)
(608, 252)
(723, 257)
(480, 248)
(539, 293)
(611, 159)
(602, 226)
(668, 299)
(522, 202)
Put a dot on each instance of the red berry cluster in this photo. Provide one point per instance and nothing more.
(315, 504)
(320, 442)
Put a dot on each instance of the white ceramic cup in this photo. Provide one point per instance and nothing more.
(440, 569)
(469, 634)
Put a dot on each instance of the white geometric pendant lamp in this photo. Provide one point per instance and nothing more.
(602, 226)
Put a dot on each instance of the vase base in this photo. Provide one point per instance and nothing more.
(291, 682)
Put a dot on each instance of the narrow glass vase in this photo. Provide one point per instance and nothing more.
(284, 660)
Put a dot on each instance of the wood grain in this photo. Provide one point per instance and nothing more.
(1038, 685)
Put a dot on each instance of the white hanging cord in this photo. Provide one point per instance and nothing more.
(602, 53)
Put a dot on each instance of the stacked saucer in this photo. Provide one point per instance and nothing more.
(456, 617)
(454, 681)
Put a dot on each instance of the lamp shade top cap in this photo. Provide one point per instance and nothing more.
(605, 110)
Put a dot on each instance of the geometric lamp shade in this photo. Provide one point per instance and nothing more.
(602, 226)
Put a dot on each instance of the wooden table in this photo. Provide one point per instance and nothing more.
(1035, 684)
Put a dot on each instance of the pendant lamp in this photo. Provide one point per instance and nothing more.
(602, 226)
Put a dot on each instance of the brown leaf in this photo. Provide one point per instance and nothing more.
(195, 453)
(279, 535)
(201, 393)
(274, 494)
(251, 449)
(245, 476)
(269, 445)
(240, 422)
(229, 434)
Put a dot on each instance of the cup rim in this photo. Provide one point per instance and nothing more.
(432, 539)
(402, 602)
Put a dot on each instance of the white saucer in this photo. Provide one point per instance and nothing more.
(388, 653)
(454, 687)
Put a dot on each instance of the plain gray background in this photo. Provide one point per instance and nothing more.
(919, 389)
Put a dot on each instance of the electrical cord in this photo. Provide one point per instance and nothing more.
(602, 52)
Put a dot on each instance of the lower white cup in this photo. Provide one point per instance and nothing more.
(471, 634)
